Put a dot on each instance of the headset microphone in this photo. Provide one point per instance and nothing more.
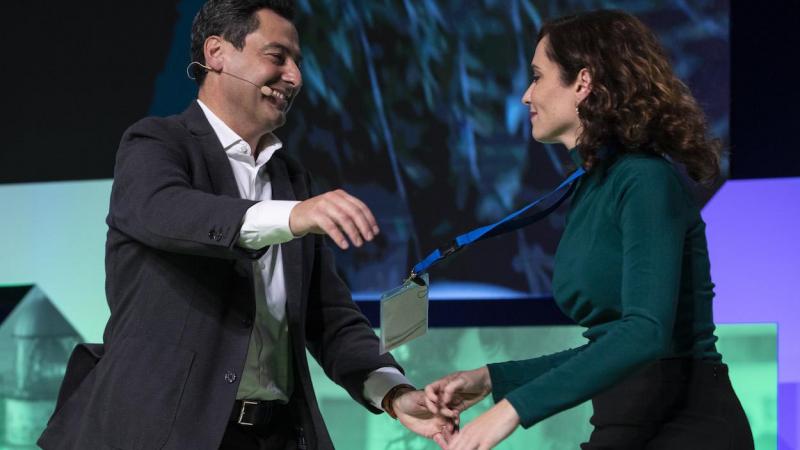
(265, 90)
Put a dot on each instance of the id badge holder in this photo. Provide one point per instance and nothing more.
(404, 313)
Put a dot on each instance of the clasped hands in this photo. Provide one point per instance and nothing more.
(435, 412)
(449, 396)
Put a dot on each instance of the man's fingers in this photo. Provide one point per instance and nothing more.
(337, 214)
(332, 230)
(365, 211)
(345, 223)
(361, 217)
(351, 215)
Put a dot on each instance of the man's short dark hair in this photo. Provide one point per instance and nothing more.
(233, 20)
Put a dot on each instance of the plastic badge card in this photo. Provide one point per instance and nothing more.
(404, 313)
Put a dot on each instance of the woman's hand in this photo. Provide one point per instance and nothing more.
(488, 430)
(451, 395)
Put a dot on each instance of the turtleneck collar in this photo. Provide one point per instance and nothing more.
(576, 157)
(605, 154)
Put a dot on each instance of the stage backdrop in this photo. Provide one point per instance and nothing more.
(412, 106)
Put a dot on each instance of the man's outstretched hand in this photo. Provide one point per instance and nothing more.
(337, 214)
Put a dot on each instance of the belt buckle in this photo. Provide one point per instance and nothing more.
(241, 421)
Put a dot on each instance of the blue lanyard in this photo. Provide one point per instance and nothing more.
(510, 223)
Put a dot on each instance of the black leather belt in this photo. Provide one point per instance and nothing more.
(255, 412)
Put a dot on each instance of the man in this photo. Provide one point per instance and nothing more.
(218, 275)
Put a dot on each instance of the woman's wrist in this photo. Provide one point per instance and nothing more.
(485, 378)
(508, 412)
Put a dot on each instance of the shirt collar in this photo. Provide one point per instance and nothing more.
(232, 143)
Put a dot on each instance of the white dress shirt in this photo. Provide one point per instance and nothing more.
(266, 224)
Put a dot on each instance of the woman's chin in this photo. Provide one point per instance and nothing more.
(541, 139)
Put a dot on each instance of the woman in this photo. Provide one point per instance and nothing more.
(632, 265)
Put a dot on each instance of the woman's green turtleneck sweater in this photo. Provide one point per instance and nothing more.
(632, 267)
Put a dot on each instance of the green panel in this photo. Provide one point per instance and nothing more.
(55, 239)
(749, 350)
(35, 344)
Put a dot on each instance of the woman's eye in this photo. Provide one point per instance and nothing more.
(535, 78)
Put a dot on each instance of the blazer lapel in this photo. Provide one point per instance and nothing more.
(291, 252)
(219, 168)
(217, 164)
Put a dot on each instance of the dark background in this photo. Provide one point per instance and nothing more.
(443, 155)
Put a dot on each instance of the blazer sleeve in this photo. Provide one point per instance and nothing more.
(154, 202)
(338, 335)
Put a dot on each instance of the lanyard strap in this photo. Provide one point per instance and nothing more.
(512, 222)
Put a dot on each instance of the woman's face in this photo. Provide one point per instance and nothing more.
(553, 114)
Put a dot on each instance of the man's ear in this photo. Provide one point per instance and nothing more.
(214, 53)
(583, 85)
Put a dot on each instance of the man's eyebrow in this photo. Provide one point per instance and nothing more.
(297, 56)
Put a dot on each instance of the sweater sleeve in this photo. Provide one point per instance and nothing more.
(510, 375)
(651, 208)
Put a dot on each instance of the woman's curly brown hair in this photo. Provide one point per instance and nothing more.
(636, 102)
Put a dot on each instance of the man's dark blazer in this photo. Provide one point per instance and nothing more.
(182, 303)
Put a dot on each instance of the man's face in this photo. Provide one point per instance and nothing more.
(270, 57)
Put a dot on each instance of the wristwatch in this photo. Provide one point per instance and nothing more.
(388, 399)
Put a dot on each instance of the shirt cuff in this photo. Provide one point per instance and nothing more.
(266, 223)
(379, 382)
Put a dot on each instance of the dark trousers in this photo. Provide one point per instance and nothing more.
(280, 433)
(676, 403)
